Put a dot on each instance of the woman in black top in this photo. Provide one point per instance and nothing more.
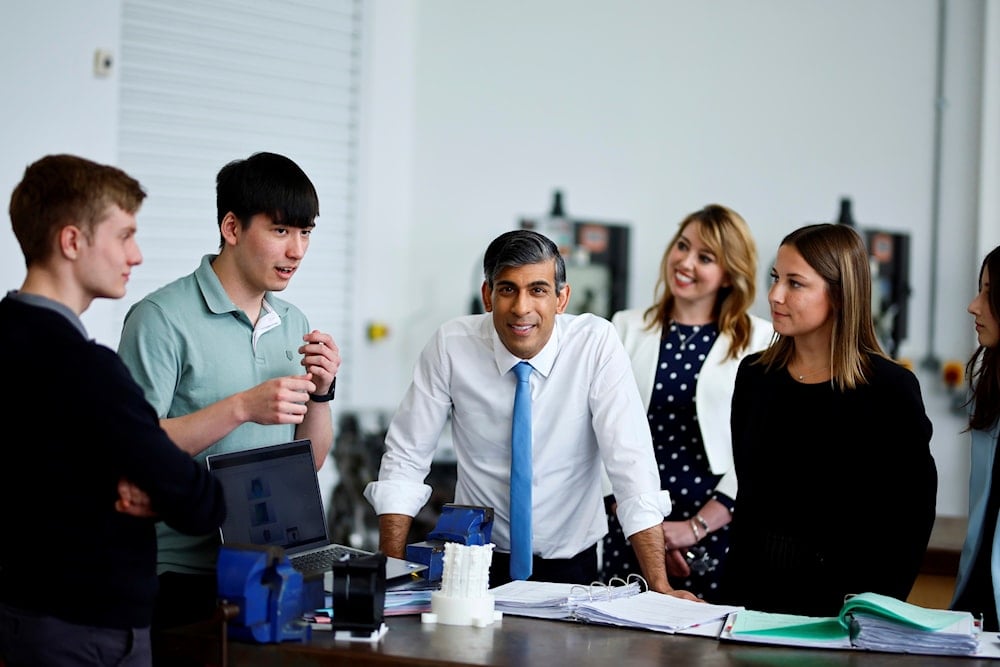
(831, 443)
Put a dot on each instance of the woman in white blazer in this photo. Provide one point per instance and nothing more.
(685, 351)
(977, 588)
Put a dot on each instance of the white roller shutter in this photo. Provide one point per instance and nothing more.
(208, 81)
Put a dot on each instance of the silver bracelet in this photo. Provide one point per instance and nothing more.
(704, 524)
(694, 527)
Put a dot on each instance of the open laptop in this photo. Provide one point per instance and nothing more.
(273, 498)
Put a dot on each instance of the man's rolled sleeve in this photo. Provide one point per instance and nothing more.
(395, 496)
(643, 511)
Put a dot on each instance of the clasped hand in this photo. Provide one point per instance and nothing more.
(133, 501)
(321, 359)
(677, 538)
(283, 400)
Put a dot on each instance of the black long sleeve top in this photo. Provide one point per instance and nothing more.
(83, 424)
(837, 490)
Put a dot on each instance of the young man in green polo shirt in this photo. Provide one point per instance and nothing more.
(226, 363)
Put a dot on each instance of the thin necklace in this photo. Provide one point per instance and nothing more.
(805, 375)
(682, 337)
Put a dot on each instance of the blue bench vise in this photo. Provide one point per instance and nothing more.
(465, 524)
(271, 595)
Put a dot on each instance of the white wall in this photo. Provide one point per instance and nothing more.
(639, 111)
(386, 202)
(989, 175)
(54, 104)
(644, 111)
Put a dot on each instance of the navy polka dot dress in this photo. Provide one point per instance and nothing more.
(680, 455)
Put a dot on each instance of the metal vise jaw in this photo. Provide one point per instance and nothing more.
(470, 525)
(269, 592)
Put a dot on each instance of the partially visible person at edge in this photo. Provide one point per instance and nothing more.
(226, 363)
(82, 488)
(831, 442)
(977, 587)
(585, 409)
(685, 350)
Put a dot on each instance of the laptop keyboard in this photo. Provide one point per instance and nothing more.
(323, 560)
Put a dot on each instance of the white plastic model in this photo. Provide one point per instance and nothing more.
(464, 598)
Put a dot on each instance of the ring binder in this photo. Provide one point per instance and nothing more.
(626, 603)
(867, 621)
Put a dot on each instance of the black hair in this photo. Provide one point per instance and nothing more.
(983, 369)
(269, 184)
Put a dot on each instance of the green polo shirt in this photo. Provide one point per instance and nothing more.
(188, 346)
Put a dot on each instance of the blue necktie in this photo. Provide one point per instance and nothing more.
(520, 476)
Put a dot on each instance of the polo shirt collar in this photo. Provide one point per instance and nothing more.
(215, 295)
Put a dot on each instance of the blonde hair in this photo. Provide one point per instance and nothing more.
(837, 253)
(728, 236)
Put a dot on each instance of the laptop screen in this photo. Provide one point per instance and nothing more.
(273, 497)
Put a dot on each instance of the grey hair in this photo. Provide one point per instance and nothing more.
(519, 248)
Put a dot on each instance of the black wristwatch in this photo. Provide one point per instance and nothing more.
(328, 396)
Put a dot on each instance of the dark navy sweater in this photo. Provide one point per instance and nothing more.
(82, 423)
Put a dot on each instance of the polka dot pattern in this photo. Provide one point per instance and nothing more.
(680, 455)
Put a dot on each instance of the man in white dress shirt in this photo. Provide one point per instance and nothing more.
(585, 409)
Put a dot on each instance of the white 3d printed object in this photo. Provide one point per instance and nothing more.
(464, 598)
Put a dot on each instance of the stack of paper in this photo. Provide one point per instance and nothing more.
(650, 610)
(626, 605)
(400, 600)
(545, 599)
(881, 623)
(868, 621)
(404, 602)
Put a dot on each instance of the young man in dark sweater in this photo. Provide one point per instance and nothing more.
(78, 556)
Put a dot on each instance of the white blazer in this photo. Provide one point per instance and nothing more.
(714, 391)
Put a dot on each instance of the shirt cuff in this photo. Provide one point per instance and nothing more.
(397, 496)
(643, 511)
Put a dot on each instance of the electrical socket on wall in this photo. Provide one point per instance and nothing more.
(104, 60)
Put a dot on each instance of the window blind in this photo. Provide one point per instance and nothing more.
(203, 82)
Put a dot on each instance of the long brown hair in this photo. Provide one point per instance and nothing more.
(837, 253)
(983, 369)
(728, 236)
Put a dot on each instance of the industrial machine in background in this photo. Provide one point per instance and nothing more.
(890, 257)
(596, 255)
(357, 453)
(889, 253)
